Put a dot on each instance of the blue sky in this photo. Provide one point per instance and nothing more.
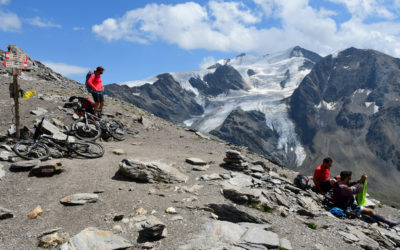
(137, 39)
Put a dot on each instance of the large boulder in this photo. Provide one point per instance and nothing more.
(150, 172)
(92, 238)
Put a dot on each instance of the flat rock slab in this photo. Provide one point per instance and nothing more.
(39, 111)
(79, 199)
(24, 165)
(5, 214)
(92, 238)
(196, 161)
(153, 228)
(258, 236)
(150, 172)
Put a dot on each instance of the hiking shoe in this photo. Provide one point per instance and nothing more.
(393, 224)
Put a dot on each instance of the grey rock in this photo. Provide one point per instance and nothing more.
(6, 156)
(285, 243)
(225, 176)
(259, 236)
(92, 238)
(39, 111)
(210, 177)
(201, 168)
(24, 165)
(150, 172)
(282, 201)
(230, 213)
(5, 213)
(57, 122)
(153, 228)
(257, 175)
(49, 128)
(79, 199)
(257, 168)
(12, 130)
(196, 161)
(6, 147)
(293, 189)
(52, 238)
(349, 237)
(242, 195)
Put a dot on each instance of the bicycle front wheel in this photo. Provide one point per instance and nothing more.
(116, 130)
(89, 131)
(87, 149)
(31, 150)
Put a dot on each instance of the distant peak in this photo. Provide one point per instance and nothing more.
(241, 55)
(14, 48)
(298, 51)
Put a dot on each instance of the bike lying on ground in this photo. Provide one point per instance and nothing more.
(38, 149)
(89, 127)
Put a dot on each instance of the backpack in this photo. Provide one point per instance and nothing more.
(88, 75)
(338, 212)
(301, 182)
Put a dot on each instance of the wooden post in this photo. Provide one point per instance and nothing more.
(16, 72)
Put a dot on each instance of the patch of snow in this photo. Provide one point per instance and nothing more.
(346, 67)
(362, 91)
(138, 83)
(367, 104)
(326, 105)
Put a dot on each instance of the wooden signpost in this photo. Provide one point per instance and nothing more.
(17, 62)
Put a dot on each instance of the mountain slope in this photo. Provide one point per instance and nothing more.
(246, 82)
(347, 107)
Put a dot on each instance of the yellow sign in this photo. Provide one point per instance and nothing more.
(28, 94)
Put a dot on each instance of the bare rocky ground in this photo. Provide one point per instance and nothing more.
(255, 206)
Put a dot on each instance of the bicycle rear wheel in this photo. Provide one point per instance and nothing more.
(88, 132)
(87, 149)
(116, 130)
(31, 150)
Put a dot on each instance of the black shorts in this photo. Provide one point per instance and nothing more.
(98, 96)
(325, 186)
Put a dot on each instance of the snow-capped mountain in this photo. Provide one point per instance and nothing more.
(246, 83)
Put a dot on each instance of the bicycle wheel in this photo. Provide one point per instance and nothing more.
(31, 150)
(87, 149)
(116, 130)
(89, 132)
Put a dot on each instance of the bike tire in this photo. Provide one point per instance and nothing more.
(117, 130)
(87, 149)
(86, 133)
(31, 150)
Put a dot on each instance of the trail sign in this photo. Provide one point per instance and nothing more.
(16, 61)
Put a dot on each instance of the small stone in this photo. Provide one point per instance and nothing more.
(225, 176)
(141, 211)
(171, 210)
(75, 116)
(57, 122)
(6, 147)
(196, 161)
(117, 229)
(34, 213)
(349, 237)
(293, 189)
(79, 199)
(153, 228)
(118, 217)
(6, 156)
(257, 175)
(125, 220)
(99, 191)
(210, 177)
(176, 218)
(201, 168)
(148, 245)
(52, 238)
(2, 172)
(12, 130)
(118, 151)
(5, 214)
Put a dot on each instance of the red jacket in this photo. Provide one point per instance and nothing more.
(95, 82)
(321, 174)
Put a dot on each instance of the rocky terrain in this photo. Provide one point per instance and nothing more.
(164, 187)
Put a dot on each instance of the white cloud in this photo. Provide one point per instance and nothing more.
(232, 26)
(9, 21)
(207, 62)
(65, 69)
(39, 22)
(4, 1)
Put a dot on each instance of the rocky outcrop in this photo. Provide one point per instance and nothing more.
(150, 172)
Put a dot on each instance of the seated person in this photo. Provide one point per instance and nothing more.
(343, 197)
(321, 176)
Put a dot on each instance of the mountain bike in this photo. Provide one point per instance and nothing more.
(38, 149)
(89, 127)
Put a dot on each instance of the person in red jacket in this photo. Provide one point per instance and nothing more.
(97, 90)
(321, 176)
